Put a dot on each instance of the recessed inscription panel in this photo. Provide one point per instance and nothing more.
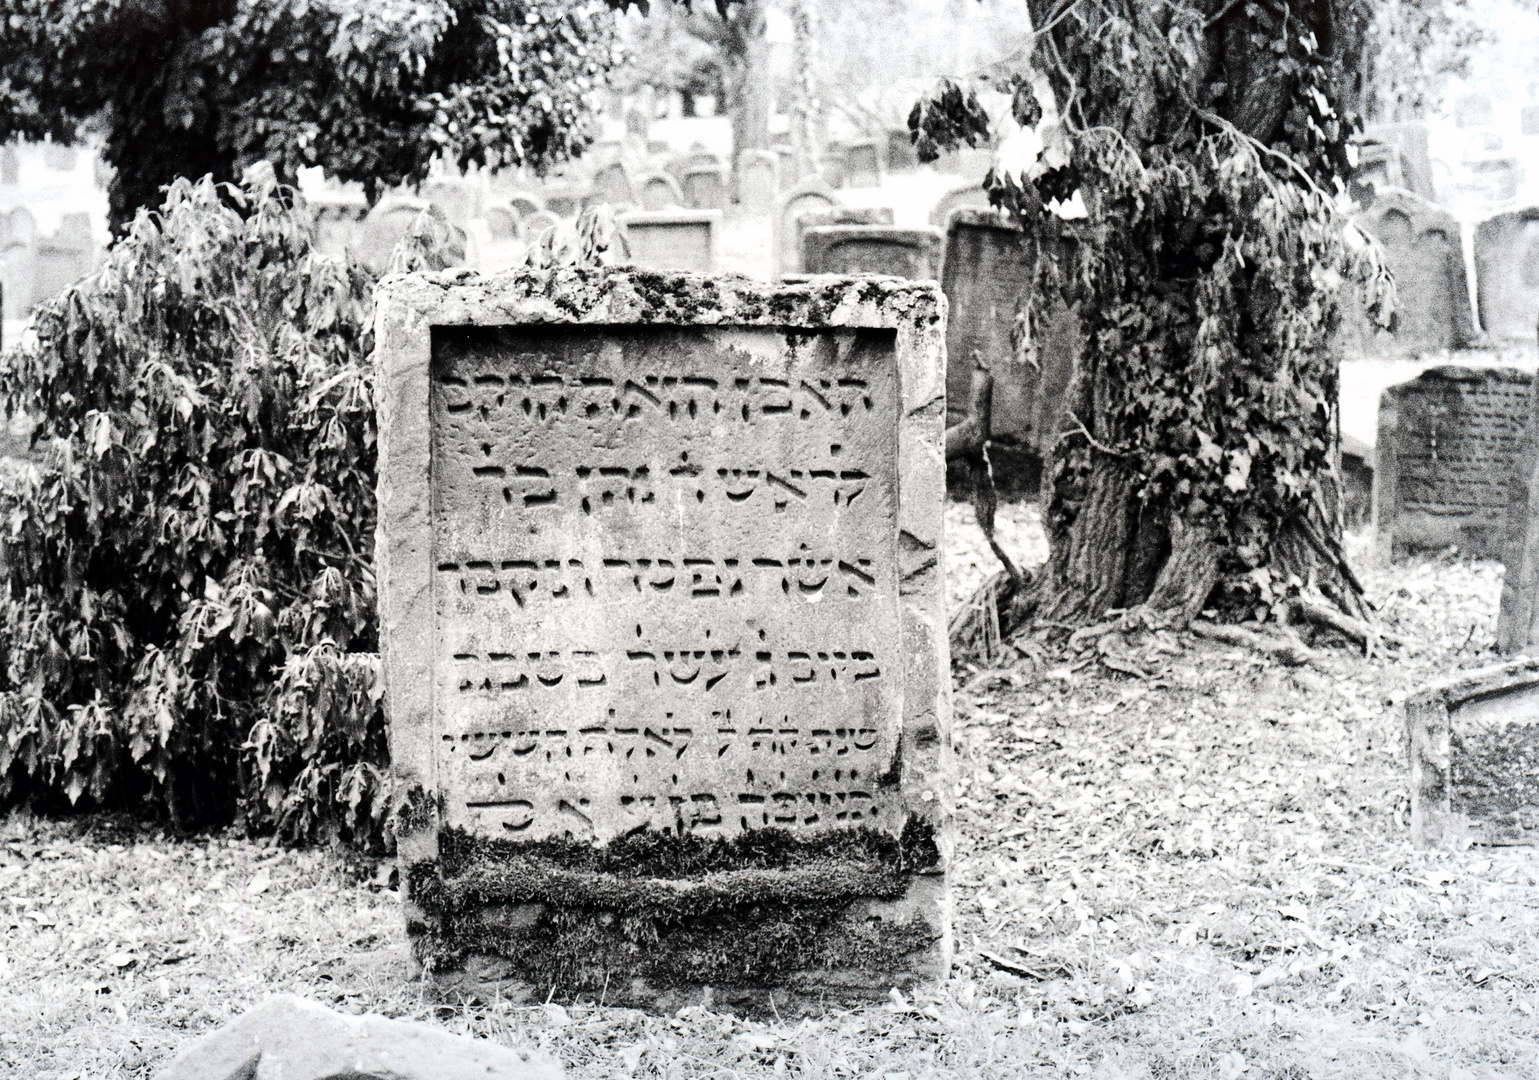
(665, 579)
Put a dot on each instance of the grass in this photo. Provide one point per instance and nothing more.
(1201, 874)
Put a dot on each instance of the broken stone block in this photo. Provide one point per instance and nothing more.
(289, 1038)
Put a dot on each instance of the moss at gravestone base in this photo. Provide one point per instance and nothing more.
(673, 910)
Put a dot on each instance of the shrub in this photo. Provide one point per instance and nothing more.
(188, 550)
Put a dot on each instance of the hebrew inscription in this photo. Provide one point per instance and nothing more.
(666, 578)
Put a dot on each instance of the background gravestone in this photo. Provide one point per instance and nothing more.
(1423, 250)
(1517, 627)
(659, 191)
(663, 630)
(682, 241)
(705, 188)
(809, 195)
(537, 224)
(836, 215)
(989, 268)
(1507, 274)
(872, 249)
(1448, 453)
(502, 221)
(901, 155)
(831, 166)
(459, 198)
(966, 197)
(611, 185)
(525, 203)
(758, 180)
(1472, 110)
(863, 164)
(1474, 750)
(386, 225)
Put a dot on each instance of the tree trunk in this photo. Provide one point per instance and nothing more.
(747, 78)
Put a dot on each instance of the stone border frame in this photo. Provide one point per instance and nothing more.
(644, 219)
(1429, 734)
(409, 306)
(818, 240)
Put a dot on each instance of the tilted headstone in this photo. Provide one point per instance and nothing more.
(863, 164)
(659, 191)
(663, 630)
(1423, 250)
(966, 197)
(989, 271)
(901, 155)
(611, 185)
(809, 195)
(705, 188)
(1472, 110)
(758, 180)
(872, 249)
(1507, 274)
(684, 241)
(1449, 450)
(1474, 750)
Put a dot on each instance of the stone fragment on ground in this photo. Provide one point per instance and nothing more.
(289, 1038)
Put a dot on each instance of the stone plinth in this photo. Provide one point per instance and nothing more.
(663, 630)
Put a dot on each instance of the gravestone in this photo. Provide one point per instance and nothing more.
(1472, 110)
(663, 631)
(684, 241)
(831, 167)
(1423, 251)
(10, 165)
(1530, 120)
(387, 224)
(524, 203)
(705, 188)
(836, 215)
(872, 249)
(989, 267)
(806, 196)
(1507, 274)
(1474, 750)
(1448, 453)
(863, 164)
(758, 180)
(1412, 144)
(1517, 626)
(563, 201)
(611, 185)
(458, 197)
(966, 197)
(502, 221)
(659, 191)
(537, 224)
(901, 155)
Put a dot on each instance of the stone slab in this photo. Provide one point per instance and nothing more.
(863, 164)
(1448, 452)
(663, 629)
(1517, 626)
(806, 197)
(1423, 250)
(1474, 755)
(290, 1038)
(989, 270)
(705, 188)
(1507, 274)
(872, 249)
(680, 241)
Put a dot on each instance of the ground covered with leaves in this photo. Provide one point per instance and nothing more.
(1202, 872)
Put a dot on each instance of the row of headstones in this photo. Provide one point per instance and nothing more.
(1424, 250)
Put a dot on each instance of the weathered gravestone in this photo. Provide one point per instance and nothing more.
(1474, 752)
(612, 185)
(966, 197)
(705, 188)
(1448, 453)
(1507, 274)
(835, 215)
(682, 240)
(659, 191)
(872, 249)
(502, 221)
(758, 180)
(663, 630)
(806, 196)
(1517, 627)
(1422, 248)
(863, 164)
(901, 155)
(989, 269)
(459, 198)
(388, 223)
(537, 224)
(831, 166)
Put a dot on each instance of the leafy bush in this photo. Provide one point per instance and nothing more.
(188, 551)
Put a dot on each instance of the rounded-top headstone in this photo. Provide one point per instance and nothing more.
(659, 191)
(969, 196)
(807, 195)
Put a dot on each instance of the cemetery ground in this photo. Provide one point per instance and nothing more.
(1204, 872)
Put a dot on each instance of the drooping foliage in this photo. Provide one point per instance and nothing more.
(373, 90)
(188, 553)
(1178, 167)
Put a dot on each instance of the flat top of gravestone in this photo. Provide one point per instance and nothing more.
(975, 217)
(1467, 686)
(669, 217)
(1455, 375)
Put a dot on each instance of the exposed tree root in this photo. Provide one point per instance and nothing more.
(1277, 644)
(1308, 610)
